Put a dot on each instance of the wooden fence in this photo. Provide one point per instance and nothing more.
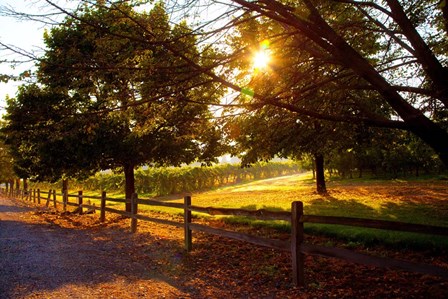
(296, 245)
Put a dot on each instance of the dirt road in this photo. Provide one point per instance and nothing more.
(44, 260)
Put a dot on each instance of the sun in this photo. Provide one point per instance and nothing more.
(261, 59)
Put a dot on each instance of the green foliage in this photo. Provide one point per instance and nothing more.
(6, 164)
(4, 78)
(44, 138)
(110, 96)
(345, 62)
(294, 126)
(171, 180)
(387, 153)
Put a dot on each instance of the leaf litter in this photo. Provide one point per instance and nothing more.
(217, 267)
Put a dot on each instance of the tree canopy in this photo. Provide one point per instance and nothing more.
(350, 61)
(115, 98)
(6, 164)
(45, 140)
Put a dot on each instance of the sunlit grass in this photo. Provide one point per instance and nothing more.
(413, 201)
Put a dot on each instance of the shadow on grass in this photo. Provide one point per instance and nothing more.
(264, 207)
(406, 212)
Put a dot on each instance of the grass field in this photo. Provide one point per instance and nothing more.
(422, 201)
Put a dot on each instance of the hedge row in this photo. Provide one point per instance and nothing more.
(171, 180)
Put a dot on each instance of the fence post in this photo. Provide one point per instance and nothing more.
(38, 196)
(48, 198)
(54, 199)
(80, 202)
(34, 196)
(187, 221)
(134, 205)
(298, 259)
(103, 207)
(64, 199)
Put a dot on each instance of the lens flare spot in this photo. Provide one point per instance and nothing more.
(261, 59)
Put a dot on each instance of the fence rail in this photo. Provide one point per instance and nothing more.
(379, 224)
(295, 245)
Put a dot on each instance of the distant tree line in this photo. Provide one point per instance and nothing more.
(404, 156)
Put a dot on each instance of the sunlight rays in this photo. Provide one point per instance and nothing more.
(262, 57)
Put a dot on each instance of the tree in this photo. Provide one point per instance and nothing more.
(7, 174)
(393, 50)
(267, 131)
(383, 48)
(274, 132)
(45, 139)
(406, 50)
(135, 102)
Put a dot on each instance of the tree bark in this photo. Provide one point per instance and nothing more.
(129, 184)
(11, 187)
(64, 185)
(25, 184)
(321, 187)
(444, 7)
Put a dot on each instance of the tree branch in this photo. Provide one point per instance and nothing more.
(432, 67)
(383, 123)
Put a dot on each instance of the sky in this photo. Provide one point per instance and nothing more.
(27, 35)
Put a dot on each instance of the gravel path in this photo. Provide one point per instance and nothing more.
(44, 260)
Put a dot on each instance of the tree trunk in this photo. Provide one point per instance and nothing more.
(64, 185)
(320, 174)
(11, 189)
(129, 184)
(25, 184)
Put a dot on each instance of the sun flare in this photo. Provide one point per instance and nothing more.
(261, 59)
